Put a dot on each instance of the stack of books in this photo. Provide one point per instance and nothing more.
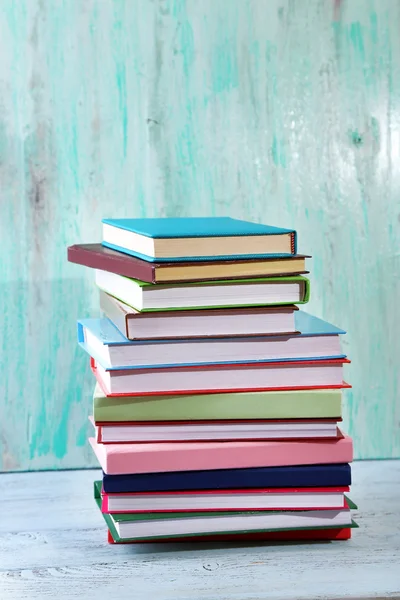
(217, 404)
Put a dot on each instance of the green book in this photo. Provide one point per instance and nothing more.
(143, 296)
(296, 404)
(129, 527)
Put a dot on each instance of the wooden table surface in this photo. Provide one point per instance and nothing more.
(53, 545)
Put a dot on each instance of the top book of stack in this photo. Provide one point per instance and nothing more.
(191, 249)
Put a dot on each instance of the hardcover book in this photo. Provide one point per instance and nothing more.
(269, 291)
(118, 459)
(324, 475)
(296, 404)
(239, 377)
(204, 323)
(230, 500)
(100, 257)
(186, 431)
(134, 526)
(196, 238)
(292, 535)
(105, 343)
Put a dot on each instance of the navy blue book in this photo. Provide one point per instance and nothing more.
(261, 477)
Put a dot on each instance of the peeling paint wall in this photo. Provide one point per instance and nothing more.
(282, 111)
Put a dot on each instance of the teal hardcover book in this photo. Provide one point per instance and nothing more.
(197, 238)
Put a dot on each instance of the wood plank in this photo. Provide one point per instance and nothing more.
(52, 544)
(270, 110)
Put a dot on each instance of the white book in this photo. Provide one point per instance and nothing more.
(104, 342)
(226, 500)
(236, 377)
(245, 292)
(203, 323)
(214, 431)
(216, 523)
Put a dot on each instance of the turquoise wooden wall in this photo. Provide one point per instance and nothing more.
(282, 111)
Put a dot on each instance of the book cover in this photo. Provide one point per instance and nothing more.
(297, 535)
(97, 256)
(195, 227)
(192, 227)
(107, 334)
(196, 373)
(297, 404)
(204, 323)
(233, 430)
(189, 500)
(118, 459)
(281, 534)
(303, 283)
(324, 475)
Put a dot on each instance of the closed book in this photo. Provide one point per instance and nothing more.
(104, 342)
(197, 324)
(238, 377)
(296, 404)
(324, 475)
(97, 256)
(186, 431)
(292, 535)
(197, 238)
(118, 459)
(230, 500)
(130, 526)
(267, 291)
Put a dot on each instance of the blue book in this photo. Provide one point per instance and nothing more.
(197, 238)
(317, 340)
(336, 475)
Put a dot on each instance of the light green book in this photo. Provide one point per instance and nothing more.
(267, 291)
(297, 404)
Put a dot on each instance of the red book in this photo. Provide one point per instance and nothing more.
(310, 535)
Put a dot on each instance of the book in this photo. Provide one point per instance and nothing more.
(245, 377)
(100, 257)
(158, 525)
(205, 323)
(324, 475)
(296, 404)
(104, 342)
(310, 534)
(196, 238)
(291, 535)
(186, 431)
(197, 295)
(229, 500)
(118, 459)
(131, 525)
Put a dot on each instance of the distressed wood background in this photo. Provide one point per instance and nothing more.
(282, 111)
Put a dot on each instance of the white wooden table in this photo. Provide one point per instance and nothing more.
(53, 545)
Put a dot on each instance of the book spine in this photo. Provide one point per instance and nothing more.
(114, 312)
(307, 291)
(294, 243)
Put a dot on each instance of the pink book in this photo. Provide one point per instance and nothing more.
(119, 459)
